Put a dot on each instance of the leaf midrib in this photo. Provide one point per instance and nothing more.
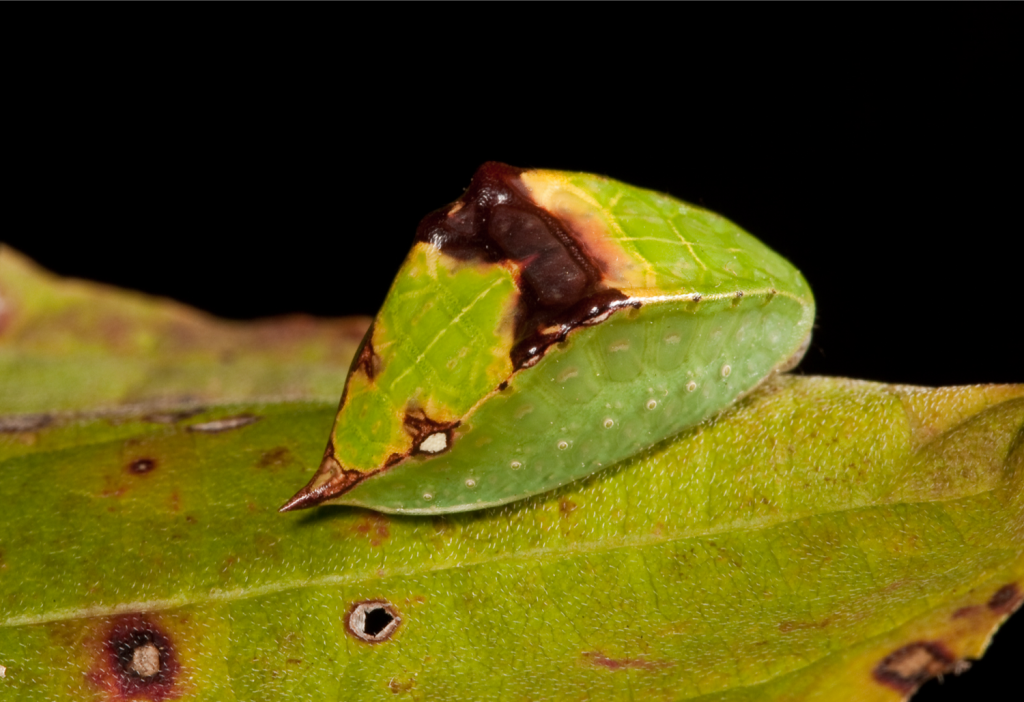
(540, 556)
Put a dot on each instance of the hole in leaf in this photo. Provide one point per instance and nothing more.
(372, 621)
(376, 621)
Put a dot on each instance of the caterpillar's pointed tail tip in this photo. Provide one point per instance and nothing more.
(303, 499)
(330, 481)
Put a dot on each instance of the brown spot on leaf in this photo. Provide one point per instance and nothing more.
(275, 458)
(372, 621)
(566, 507)
(602, 661)
(376, 527)
(907, 668)
(788, 626)
(140, 660)
(967, 612)
(141, 466)
(228, 566)
(1006, 599)
(226, 424)
(400, 686)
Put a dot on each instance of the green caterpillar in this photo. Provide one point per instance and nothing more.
(547, 325)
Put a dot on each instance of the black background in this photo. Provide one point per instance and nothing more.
(885, 164)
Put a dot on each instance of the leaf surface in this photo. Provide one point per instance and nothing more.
(797, 542)
(823, 539)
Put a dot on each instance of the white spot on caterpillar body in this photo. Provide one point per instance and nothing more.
(435, 443)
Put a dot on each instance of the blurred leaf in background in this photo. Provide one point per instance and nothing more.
(68, 344)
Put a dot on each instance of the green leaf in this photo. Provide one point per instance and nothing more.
(69, 344)
(824, 538)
